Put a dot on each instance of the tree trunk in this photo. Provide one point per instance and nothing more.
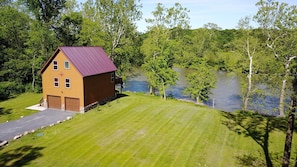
(164, 91)
(291, 118)
(249, 89)
(197, 100)
(281, 99)
(289, 136)
(151, 90)
(294, 101)
(33, 73)
(283, 90)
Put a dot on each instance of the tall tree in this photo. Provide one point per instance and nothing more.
(159, 46)
(247, 45)
(117, 19)
(278, 22)
(42, 40)
(14, 64)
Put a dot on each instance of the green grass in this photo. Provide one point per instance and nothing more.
(16, 107)
(141, 130)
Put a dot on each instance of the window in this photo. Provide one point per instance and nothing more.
(66, 65)
(67, 83)
(55, 65)
(112, 77)
(56, 82)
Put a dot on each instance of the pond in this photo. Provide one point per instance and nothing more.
(226, 95)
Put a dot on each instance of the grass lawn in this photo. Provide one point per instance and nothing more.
(140, 130)
(15, 108)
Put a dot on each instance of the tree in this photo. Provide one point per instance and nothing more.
(117, 21)
(44, 10)
(159, 46)
(42, 40)
(14, 64)
(201, 81)
(247, 45)
(278, 22)
(159, 74)
(68, 28)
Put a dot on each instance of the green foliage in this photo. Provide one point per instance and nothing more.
(159, 75)
(45, 11)
(201, 81)
(14, 63)
(68, 28)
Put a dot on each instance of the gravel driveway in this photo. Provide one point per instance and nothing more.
(9, 130)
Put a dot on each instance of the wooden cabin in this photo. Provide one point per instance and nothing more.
(77, 78)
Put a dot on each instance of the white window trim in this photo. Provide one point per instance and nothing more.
(68, 65)
(68, 83)
(55, 65)
(56, 82)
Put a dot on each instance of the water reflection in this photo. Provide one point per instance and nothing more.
(226, 95)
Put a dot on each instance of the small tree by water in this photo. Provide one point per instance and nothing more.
(201, 81)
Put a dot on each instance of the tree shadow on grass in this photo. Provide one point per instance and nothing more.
(20, 156)
(256, 126)
(4, 111)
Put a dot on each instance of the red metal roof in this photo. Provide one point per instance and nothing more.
(87, 60)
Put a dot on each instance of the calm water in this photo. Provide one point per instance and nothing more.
(226, 95)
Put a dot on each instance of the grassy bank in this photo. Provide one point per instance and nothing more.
(140, 130)
(16, 107)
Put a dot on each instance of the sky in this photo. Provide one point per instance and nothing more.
(224, 13)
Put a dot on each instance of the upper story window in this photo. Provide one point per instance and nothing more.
(67, 83)
(56, 82)
(66, 65)
(112, 77)
(55, 65)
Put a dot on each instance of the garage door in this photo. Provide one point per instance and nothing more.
(54, 102)
(71, 104)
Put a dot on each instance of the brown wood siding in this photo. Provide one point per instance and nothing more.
(54, 102)
(98, 88)
(71, 104)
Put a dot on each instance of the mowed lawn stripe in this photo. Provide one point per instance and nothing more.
(128, 128)
(132, 126)
(183, 145)
(151, 129)
(92, 135)
(167, 148)
(152, 141)
(194, 152)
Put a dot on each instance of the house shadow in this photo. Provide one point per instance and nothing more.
(20, 156)
(107, 101)
(258, 127)
(120, 95)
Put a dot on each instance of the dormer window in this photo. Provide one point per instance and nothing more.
(66, 65)
(55, 65)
